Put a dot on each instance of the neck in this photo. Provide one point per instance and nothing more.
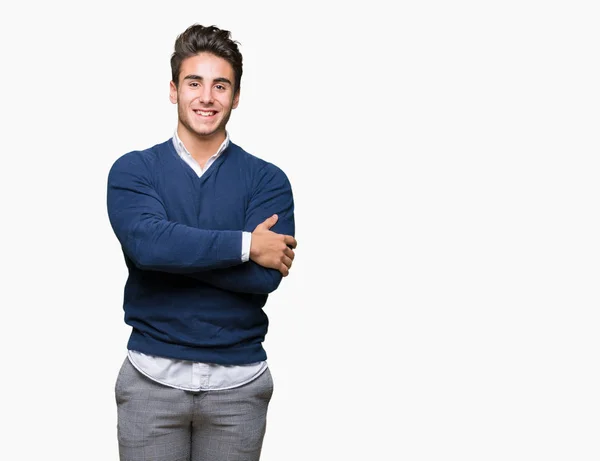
(201, 148)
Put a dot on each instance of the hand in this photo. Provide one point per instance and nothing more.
(270, 249)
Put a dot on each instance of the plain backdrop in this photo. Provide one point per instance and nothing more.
(443, 304)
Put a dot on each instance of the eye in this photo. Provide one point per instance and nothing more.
(220, 87)
(194, 84)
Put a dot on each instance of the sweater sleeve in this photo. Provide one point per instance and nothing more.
(139, 219)
(272, 195)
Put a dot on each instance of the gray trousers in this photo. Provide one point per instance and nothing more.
(160, 423)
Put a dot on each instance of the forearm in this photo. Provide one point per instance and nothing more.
(248, 277)
(172, 247)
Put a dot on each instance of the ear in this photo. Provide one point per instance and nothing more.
(173, 92)
(236, 99)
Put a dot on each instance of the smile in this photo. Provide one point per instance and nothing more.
(205, 113)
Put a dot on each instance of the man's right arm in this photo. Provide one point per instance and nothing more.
(139, 220)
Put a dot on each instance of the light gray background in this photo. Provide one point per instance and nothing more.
(444, 157)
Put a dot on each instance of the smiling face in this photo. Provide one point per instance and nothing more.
(204, 96)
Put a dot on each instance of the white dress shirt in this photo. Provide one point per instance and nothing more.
(196, 376)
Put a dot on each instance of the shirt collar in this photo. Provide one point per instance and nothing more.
(182, 151)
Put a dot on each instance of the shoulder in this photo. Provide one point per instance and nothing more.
(138, 161)
(259, 168)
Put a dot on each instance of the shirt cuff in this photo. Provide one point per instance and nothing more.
(246, 242)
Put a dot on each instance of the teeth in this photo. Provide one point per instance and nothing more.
(205, 114)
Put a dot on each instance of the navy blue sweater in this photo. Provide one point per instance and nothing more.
(188, 294)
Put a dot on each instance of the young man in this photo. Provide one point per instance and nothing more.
(207, 231)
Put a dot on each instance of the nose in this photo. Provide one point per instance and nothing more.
(206, 96)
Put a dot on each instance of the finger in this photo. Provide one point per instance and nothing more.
(290, 241)
(289, 253)
(287, 261)
(284, 270)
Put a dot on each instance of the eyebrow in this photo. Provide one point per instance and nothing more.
(216, 80)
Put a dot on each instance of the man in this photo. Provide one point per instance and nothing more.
(207, 231)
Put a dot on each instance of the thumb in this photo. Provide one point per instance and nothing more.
(269, 222)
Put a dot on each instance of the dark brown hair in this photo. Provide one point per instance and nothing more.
(210, 39)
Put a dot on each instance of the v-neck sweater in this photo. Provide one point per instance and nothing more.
(188, 294)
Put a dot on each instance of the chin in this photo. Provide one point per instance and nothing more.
(207, 129)
(205, 132)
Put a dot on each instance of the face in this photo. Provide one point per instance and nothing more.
(205, 95)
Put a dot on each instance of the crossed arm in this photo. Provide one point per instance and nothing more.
(251, 276)
(139, 219)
